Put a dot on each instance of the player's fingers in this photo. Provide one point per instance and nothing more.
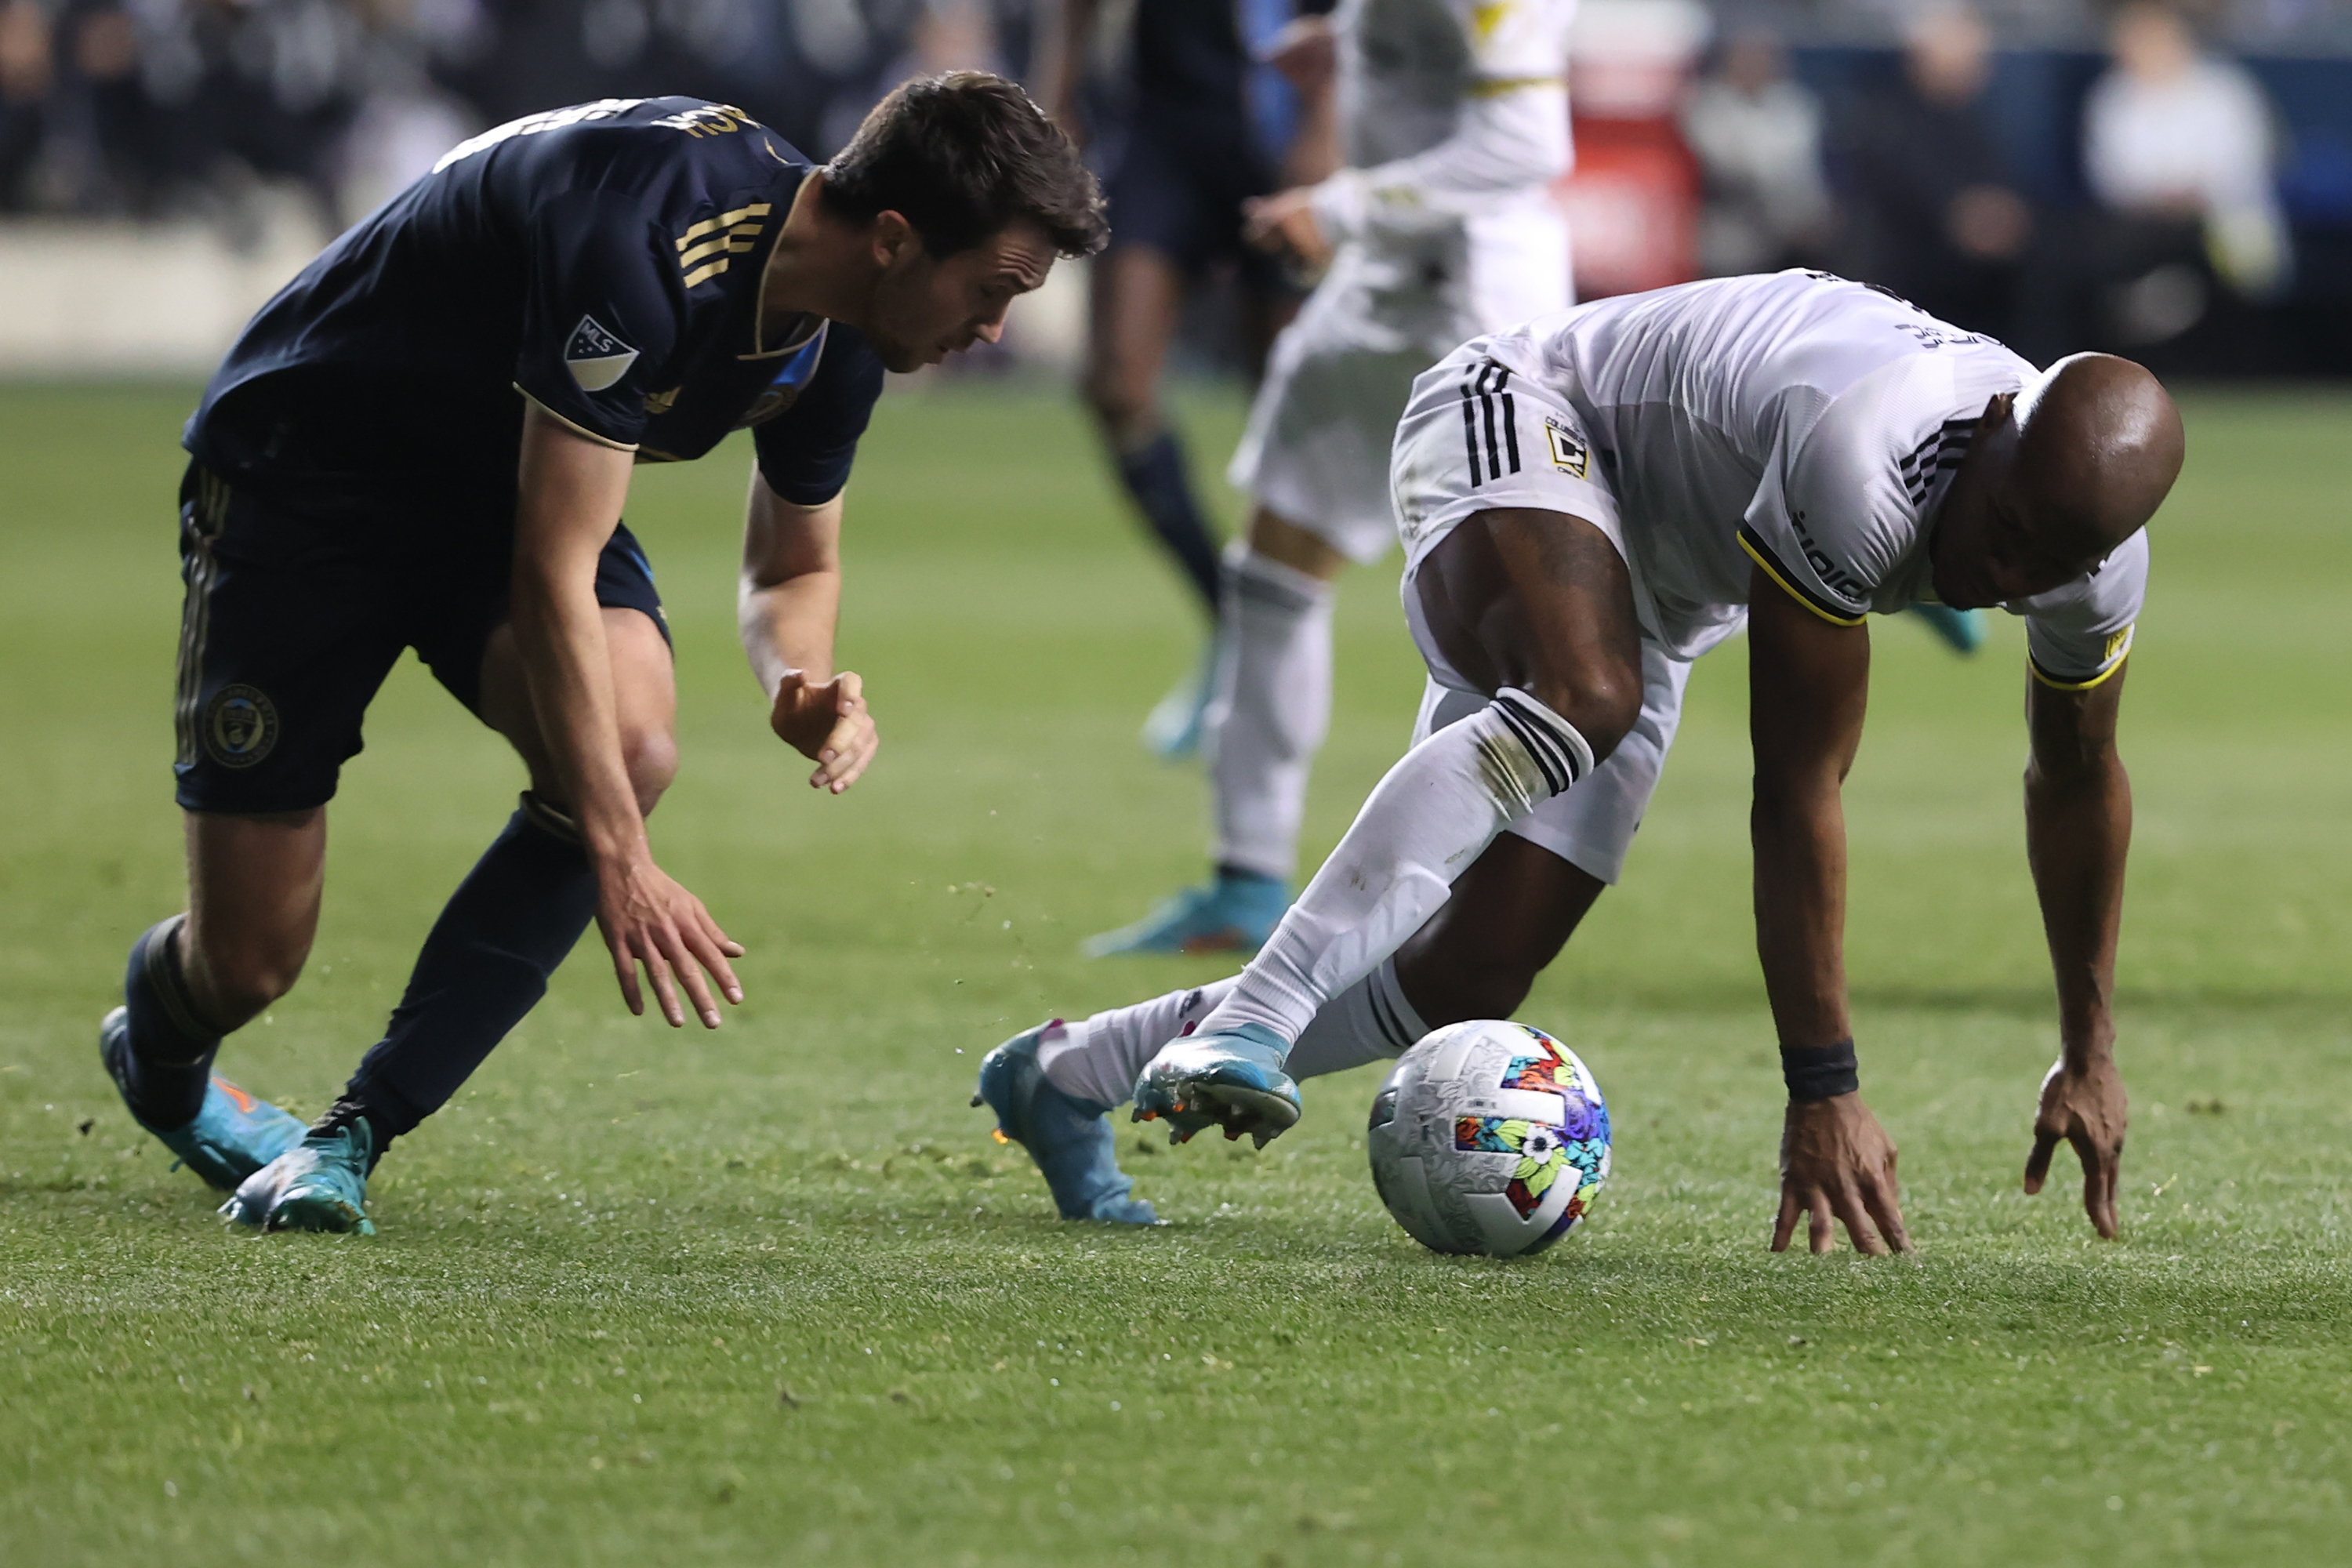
(1855, 1215)
(702, 939)
(1878, 1197)
(624, 966)
(848, 691)
(2101, 1169)
(685, 969)
(2037, 1165)
(1786, 1225)
(1821, 1233)
(649, 953)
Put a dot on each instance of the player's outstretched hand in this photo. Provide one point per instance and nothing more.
(1284, 225)
(2087, 1109)
(1305, 51)
(829, 724)
(1837, 1164)
(649, 920)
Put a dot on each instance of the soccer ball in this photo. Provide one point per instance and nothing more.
(1489, 1137)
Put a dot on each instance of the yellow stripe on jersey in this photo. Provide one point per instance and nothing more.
(1486, 15)
(2117, 649)
(724, 220)
(1498, 85)
(1772, 570)
(737, 240)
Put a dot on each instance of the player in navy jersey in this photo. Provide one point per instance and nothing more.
(426, 441)
(1202, 127)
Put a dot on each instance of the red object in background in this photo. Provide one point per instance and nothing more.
(1632, 206)
(1632, 198)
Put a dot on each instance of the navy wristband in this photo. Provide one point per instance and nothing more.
(1819, 1072)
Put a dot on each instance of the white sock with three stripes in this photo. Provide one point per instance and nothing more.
(1425, 822)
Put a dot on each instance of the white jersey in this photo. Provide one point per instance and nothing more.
(1795, 422)
(1453, 121)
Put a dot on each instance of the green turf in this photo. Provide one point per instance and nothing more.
(773, 1296)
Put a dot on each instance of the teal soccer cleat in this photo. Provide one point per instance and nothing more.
(1070, 1139)
(233, 1135)
(1962, 631)
(1233, 1078)
(1234, 913)
(318, 1184)
(1173, 730)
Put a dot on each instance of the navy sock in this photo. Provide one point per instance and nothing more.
(1154, 475)
(486, 963)
(171, 1044)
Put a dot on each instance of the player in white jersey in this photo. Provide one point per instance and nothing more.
(1588, 503)
(1454, 119)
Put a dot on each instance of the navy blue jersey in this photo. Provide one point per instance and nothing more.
(605, 260)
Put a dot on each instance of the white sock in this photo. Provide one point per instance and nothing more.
(1425, 822)
(1098, 1059)
(1271, 708)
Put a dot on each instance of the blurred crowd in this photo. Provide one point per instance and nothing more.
(1907, 183)
(1897, 173)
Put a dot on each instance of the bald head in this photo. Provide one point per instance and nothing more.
(2056, 478)
(2099, 443)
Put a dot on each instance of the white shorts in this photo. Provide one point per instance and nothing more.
(1477, 437)
(1592, 825)
(1316, 450)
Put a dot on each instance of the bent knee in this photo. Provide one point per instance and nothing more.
(1603, 704)
(650, 757)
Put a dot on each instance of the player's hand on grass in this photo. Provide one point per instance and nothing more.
(1284, 223)
(648, 919)
(2087, 1108)
(829, 724)
(1837, 1165)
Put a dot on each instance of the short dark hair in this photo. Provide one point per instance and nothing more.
(960, 155)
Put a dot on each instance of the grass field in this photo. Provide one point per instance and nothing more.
(774, 1296)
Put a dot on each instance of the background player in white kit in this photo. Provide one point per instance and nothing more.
(1454, 119)
(1588, 503)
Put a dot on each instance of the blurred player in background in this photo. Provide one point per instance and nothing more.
(1588, 503)
(1202, 127)
(1452, 116)
(426, 441)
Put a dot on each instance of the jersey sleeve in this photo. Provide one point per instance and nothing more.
(1830, 516)
(806, 452)
(1511, 132)
(603, 311)
(2079, 634)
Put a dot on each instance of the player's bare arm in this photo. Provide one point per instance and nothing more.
(787, 607)
(569, 502)
(1809, 684)
(2078, 818)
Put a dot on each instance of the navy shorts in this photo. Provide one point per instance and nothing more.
(1180, 191)
(300, 601)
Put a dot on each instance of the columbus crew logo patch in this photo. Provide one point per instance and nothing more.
(240, 726)
(596, 358)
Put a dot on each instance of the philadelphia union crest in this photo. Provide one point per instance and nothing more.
(240, 726)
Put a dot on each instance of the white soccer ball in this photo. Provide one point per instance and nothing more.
(1489, 1137)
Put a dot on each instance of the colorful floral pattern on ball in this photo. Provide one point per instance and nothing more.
(1546, 1153)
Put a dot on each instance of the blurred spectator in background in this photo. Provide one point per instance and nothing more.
(1757, 137)
(2181, 152)
(27, 73)
(1937, 217)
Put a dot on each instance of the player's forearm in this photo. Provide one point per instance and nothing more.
(787, 627)
(1516, 139)
(559, 637)
(2078, 819)
(1798, 827)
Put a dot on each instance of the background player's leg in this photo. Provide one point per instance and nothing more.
(1138, 295)
(1272, 703)
(522, 906)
